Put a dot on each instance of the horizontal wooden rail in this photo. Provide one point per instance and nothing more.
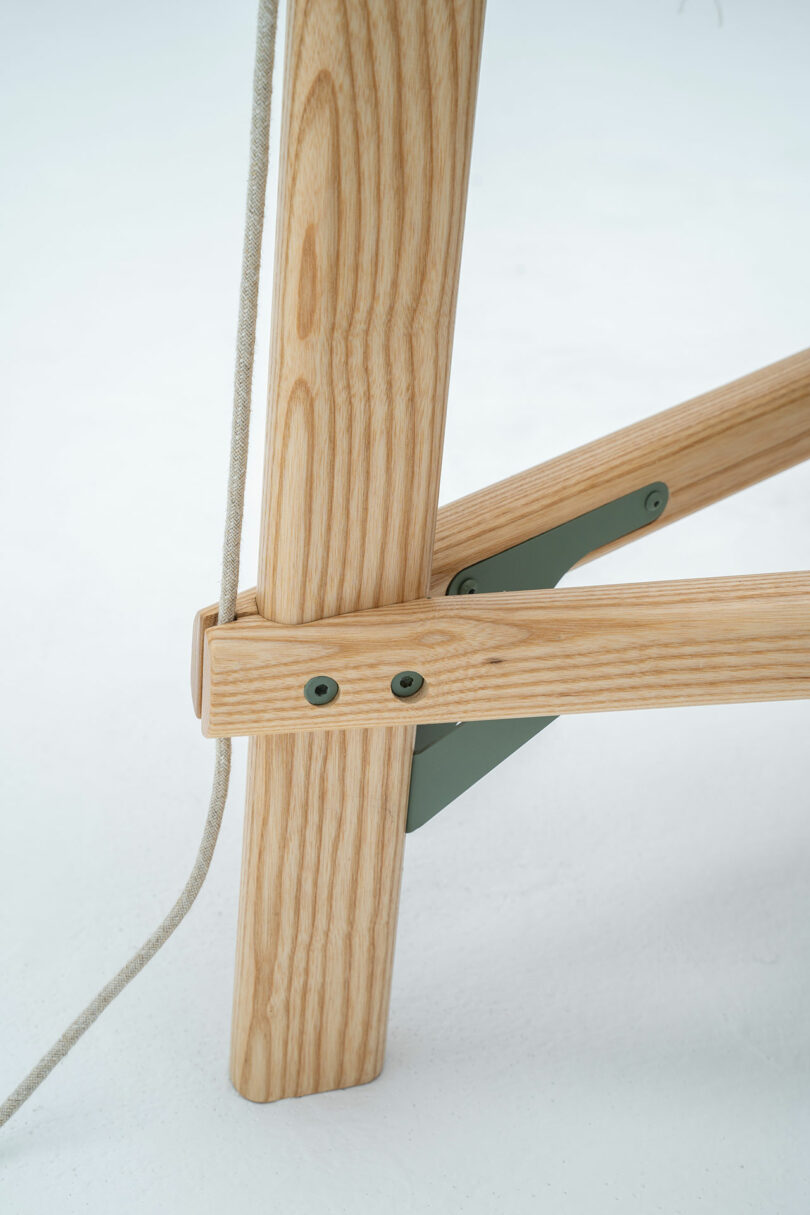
(533, 653)
(704, 450)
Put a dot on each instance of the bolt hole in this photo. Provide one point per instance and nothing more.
(321, 689)
(406, 681)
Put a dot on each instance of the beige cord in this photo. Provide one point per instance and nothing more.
(243, 378)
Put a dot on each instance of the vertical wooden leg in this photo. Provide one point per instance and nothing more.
(379, 98)
(319, 909)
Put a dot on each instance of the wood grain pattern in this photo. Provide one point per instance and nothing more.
(379, 99)
(526, 654)
(205, 619)
(705, 450)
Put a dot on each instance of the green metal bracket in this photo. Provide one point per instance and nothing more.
(449, 758)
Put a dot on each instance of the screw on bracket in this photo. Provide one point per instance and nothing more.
(449, 757)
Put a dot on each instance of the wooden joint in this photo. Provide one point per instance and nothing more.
(516, 654)
(704, 450)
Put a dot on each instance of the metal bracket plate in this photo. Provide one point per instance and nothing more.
(449, 758)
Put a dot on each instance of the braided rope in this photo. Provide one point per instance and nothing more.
(243, 379)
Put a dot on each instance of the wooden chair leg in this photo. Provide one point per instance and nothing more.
(379, 98)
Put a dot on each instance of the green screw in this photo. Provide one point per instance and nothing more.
(655, 501)
(320, 690)
(407, 683)
(468, 587)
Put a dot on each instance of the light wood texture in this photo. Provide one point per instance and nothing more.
(526, 654)
(205, 619)
(379, 99)
(705, 450)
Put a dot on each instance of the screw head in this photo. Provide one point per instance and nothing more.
(655, 501)
(407, 683)
(468, 587)
(320, 690)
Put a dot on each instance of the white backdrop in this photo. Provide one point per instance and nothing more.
(601, 994)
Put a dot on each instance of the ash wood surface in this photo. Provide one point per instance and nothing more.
(205, 619)
(378, 108)
(533, 653)
(705, 450)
